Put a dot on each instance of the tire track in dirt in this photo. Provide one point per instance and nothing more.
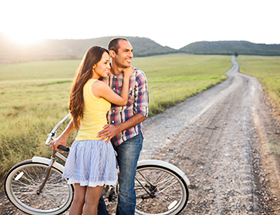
(213, 138)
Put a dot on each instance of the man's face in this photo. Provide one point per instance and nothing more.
(125, 54)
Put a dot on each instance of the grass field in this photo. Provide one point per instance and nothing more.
(267, 70)
(34, 96)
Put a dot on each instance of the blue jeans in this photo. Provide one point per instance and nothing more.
(128, 155)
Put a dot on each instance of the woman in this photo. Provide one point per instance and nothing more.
(91, 163)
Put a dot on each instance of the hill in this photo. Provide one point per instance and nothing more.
(71, 48)
(75, 48)
(231, 47)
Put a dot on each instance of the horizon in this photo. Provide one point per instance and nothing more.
(126, 36)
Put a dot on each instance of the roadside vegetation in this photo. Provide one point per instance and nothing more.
(266, 70)
(34, 96)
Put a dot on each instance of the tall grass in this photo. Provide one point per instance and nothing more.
(267, 70)
(34, 96)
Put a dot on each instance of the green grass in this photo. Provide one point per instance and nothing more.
(173, 78)
(266, 70)
(34, 96)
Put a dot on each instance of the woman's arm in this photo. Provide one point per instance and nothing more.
(102, 90)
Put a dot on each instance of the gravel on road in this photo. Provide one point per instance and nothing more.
(219, 139)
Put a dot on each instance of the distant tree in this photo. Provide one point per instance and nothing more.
(235, 54)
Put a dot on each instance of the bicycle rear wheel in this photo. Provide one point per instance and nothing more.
(23, 181)
(160, 191)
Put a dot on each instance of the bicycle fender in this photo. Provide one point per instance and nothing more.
(47, 161)
(166, 165)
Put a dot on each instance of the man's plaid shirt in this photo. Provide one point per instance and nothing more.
(138, 102)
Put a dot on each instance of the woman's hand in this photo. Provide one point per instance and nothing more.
(128, 71)
(59, 141)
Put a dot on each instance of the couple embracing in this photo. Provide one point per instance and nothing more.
(108, 102)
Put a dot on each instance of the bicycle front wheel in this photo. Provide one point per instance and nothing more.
(23, 182)
(159, 190)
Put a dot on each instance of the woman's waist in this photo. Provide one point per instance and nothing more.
(93, 128)
(88, 133)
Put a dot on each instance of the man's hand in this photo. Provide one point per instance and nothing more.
(108, 132)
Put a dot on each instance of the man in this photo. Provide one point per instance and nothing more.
(124, 128)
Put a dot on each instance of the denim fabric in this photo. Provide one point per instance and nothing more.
(102, 207)
(128, 155)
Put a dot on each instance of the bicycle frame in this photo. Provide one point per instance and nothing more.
(55, 154)
(52, 163)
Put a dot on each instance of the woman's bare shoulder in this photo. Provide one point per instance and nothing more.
(100, 86)
(99, 83)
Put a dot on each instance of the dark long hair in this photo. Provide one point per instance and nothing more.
(83, 74)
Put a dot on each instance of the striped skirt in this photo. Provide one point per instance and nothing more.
(91, 163)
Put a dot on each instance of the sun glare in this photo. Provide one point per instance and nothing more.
(23, 39)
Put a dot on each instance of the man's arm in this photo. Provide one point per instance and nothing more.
(61, 140)
(110, 131)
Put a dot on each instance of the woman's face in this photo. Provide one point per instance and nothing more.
(102, 68)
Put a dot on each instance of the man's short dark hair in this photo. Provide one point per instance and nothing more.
(114, 44)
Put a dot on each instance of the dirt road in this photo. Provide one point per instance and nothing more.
(219, 138)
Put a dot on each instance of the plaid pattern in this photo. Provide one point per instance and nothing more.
(138, 102)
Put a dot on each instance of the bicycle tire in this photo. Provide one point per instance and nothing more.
(170, 192)
(24, 179)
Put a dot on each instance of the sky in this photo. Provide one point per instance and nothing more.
(173, 23)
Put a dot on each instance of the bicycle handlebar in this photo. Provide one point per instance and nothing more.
(53, 132)
(63, 148)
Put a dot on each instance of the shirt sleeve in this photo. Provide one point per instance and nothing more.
(141, 104)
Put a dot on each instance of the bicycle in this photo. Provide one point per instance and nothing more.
(36, 186)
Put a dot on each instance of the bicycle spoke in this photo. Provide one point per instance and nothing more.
(24, 182)
(168, 186)
(145, 178)
(172, 197)
(30, 178)
(166, 191)
(165, 180)
(162, 175)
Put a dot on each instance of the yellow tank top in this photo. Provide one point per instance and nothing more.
(95, 110)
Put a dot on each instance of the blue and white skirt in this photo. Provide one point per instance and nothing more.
(91, 163)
